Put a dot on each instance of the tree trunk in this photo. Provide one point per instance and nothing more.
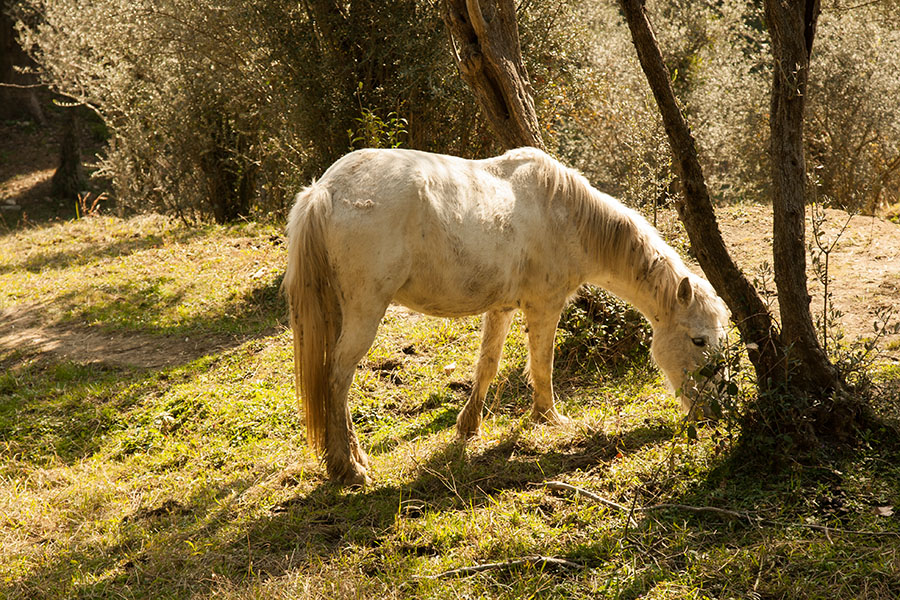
(485, 41)
(19, 99)
(792, 361)
(696, 212)
(68, 180)
(792, 27)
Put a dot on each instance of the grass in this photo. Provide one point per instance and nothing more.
(192, 480)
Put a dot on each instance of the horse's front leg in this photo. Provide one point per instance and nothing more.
(493, 333)
(541, 339)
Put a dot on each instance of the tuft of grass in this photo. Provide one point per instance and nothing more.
(192, 479)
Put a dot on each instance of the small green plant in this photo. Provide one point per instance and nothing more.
(85, 207)
(374, 132)
(720, 388)
(821, 249)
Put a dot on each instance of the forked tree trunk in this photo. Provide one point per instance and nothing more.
(791, 361)
(696, 212)
(792, 27)
(485, 41)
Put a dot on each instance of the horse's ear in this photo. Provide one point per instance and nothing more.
(685, 292)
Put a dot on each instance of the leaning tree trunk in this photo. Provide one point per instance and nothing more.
(485, 41)
(696, 212)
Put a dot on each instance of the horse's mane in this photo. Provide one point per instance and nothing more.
(615, 235)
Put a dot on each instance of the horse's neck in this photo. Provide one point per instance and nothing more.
(636, 274)
(641, 297)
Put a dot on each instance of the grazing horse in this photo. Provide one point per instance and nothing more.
(452, 237)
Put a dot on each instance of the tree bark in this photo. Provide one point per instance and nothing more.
(753, 320)
(485, 41)
(68, 180)
(792, 27)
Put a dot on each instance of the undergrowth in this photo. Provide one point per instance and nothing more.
(192, 480)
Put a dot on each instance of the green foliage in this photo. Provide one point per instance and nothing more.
(374, 132)
(226, 109)
(600, 332)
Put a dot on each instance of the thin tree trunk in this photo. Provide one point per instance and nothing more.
(68, 180)
(792, 27)
(485, 41)
(696, 212)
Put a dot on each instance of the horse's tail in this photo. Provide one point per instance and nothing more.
(314, 307)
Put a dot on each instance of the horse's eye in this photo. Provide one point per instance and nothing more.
(699, 342)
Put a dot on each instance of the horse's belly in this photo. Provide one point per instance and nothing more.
(453, 293)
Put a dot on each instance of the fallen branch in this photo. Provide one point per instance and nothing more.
(733, 514)
(533, 561)
(559, 485)
(699, 509)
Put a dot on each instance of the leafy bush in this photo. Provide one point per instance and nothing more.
(227, 108)
(854, 118)
(599, 331)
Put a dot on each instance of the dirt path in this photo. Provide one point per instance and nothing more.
(864, 266)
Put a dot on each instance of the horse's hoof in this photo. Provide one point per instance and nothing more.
(467, 428)
(550, 417)
(464, 435)
(354, 475)
(356, 479)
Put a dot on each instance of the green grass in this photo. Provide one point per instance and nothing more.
(193, 481)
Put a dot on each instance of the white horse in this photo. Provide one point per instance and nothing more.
(452, 237)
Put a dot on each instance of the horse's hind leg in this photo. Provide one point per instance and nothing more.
(345, 460)
(541, 340)
(494, 330)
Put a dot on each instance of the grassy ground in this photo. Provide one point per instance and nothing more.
(174, 466)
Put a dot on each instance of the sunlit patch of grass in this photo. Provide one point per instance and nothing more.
(146, 274)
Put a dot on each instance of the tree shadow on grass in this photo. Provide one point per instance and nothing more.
(185, 547)
(61, 411)
(55, 260)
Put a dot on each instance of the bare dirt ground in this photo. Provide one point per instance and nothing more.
(864, 267)
(26, 330)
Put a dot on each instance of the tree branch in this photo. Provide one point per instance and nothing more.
(723, 512)
(532, 561)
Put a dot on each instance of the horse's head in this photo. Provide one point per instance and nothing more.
(688, 336)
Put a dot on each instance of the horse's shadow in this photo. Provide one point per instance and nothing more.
(312, 528)
(453, 477)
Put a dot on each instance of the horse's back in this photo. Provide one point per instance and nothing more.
(441, 234)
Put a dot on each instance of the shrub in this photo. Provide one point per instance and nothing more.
(853, 121)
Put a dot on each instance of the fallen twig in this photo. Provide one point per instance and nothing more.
(534, 561)
(559, 485)
(733, 514)
(698, 509)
